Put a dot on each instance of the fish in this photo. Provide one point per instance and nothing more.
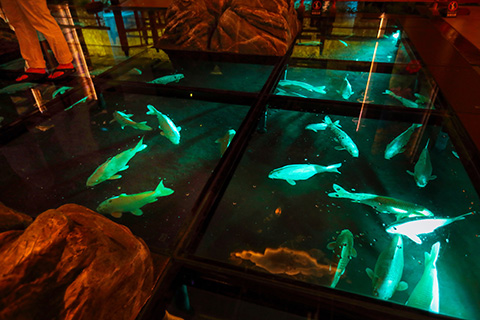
(109, 169)
(407, 103)
(225, 140)
(421, 99)
(399, 144)
(125, 120)
(303, 85)
(346, 143)
(346, 89)
(423, 169)
(426, 294)
(132, 203)
(168, 128)
(284, 261)
(402, 209)
(281, 92)
(168, 79)
(386, 279)
(60, 90)
(84, 99)
(344, 251)
(293, 172)
(412, 228)
(344, 43)
(309, 43)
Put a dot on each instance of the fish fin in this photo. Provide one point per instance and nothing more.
(339, 148)
(151, 110)
(339, 192)
(432, 177)
(337, 124)
(116, 214)
(331, 246)
(179, 128)
(410, 173)
(137, 212)
(291, 182)
(327, 120)
(332, 168)
(414, 238)
(161, 190)
(387, 92)
(353, 253)
(124, 168)
(402, 286)
(431, 258)
(370, 273)
(321, 89)
(115, 177)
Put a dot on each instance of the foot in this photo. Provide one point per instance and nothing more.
(32, 74)
(62, 71)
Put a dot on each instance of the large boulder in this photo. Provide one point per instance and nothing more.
(236, 26)
(73, 263)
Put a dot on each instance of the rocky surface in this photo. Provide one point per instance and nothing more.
(72, 263)
(13, 220)
(237, 26)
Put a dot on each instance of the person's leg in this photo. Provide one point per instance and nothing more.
(42, 20)
(27, 36)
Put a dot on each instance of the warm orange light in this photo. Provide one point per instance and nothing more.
(278, 211)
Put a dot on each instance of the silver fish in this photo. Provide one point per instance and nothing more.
(132, 203)
(303, 85)
(398, 145)
(169, 130)
(407, 103)
(125, 120)
(344, 251)
(346, 143)
(346, 89)
(388, 270)
(293, 172)
(400, 208)
(168, 79)
(423, 169)
(109, 169)
(60, 90)
(426, 294)
(309, 43)
(281, 92)
(225, 140)
(412, 228)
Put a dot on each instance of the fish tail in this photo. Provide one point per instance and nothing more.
(428, 141)
(388, 92)
(151, 109)
(340, 193)
(140, 146)
(161, 190)
(328, 121)
(144, 126)
(331, 168)
(431, 258)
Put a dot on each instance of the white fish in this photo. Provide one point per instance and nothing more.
(60, 90)
(225, 140)
(167, 79)
(108, 170)
(293, 172)
(412, 228)
(344, 43)
(400, 208)
(346, 143)
(168, 128)
(281, 92)
(407, 103)
(423, 168)
(132, 203)
(125, 120)
(426, 294)
(398, 145)
(346, 89)
(421, 99)
(303, 85)
(388, 270)
(309, 43)
(344, 251)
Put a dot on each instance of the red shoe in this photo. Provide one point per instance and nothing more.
(32, 74)
(61, 72)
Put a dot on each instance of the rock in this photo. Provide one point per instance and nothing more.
(13, 220)
(236, 26)
(72, 263)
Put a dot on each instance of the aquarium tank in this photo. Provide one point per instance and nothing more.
(337, 179)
